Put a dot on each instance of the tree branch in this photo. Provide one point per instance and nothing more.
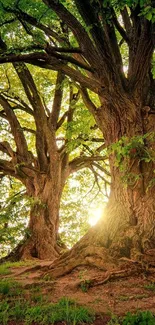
(126, 21)
(15, 128)
(84, 161)
(6, 168)
(81, 35)
(20, 15)
(69, 59)
(6, 148)
(29, 130)
(43, 60)
(105, 171)
(39, 112)
(54, 116)
(120, 28)
(19, 102)
(62, 119)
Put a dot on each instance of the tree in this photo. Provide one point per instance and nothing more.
(107, 47)
(44, 151)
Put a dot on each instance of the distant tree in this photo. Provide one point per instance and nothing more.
(42, 145)
(106, 47)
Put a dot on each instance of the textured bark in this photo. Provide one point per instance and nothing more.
(127, 227)
(42, 234)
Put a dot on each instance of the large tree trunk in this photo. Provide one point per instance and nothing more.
(42, 232)
(42, 240)
(127, 227)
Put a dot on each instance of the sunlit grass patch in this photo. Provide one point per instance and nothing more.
(4, 270)
(5, 267)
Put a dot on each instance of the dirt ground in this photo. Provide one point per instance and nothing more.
(115, 296)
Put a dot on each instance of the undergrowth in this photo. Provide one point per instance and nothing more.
(5, 267)
(65, 310)
(140, 318)
(29, 306)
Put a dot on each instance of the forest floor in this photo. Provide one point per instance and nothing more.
(114, 297)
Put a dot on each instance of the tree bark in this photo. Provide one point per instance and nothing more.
(42, 232)
(43, 225)
(127, 227)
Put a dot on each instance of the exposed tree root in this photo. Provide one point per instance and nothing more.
(99, 257)
(91, 256)
(112, 276)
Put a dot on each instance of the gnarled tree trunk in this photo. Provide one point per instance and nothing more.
(127, 227)
(43, 225)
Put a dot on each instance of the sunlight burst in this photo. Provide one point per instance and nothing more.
(95, 215)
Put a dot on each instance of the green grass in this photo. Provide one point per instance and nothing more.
(5, 267)
(65, 310)
(4, 270)
(140, 318)
(150, 286)
(10, 288)
(124, 298)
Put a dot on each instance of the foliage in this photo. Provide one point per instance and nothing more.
(137, 148)
(15, 206)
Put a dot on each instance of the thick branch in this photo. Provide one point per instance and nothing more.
(43, 60)
(81, 35)
(6, 148)
(16, 130)
(106, 43)
(39, 112)
(6, 168)
(19, 102)
(84, 161)
(126, 21)
(104, 170)
(33, 21)
(69, 59)
(57, 100)
(120, 28)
